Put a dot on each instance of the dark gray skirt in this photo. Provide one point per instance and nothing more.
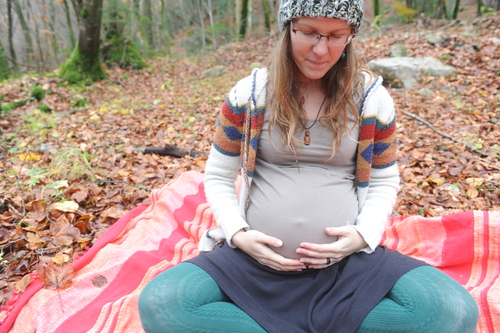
(333, 299)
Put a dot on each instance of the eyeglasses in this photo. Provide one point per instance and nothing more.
(311, 37)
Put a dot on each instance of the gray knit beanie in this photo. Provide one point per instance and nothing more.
(350, 11)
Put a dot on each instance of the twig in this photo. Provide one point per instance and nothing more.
(425, 122)
(108, 144)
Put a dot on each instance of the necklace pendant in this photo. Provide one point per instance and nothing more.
(307, 138)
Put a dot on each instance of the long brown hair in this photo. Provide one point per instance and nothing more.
(340, 84)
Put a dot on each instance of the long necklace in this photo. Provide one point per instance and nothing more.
(307, 137)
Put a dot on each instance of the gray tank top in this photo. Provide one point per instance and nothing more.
(297, 206)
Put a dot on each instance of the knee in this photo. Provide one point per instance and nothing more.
(459, 311)
(159, 303)
(449, 307)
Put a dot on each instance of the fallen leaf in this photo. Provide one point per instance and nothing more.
(34, 238)
(79, 196)
(113, 212)
(472, 192)
(434, 180)
(67, 235)
(60, 259)
(99, 281)
(60, 184)
(22, 284)
(55, 277)
(29, 157)
(66, 206)
(475, 181)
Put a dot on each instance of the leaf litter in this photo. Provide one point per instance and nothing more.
(65, 177)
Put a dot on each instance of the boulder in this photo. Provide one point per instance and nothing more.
(404, 71)
(495, 40)
(214, 71)
(398, 50)
(425, 92)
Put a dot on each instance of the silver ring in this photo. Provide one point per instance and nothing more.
(328, 261)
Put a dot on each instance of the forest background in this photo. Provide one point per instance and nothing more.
(103, 101)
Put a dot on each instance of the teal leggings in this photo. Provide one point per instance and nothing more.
(186, 299)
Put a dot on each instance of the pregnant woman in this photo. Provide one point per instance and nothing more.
(313, 135)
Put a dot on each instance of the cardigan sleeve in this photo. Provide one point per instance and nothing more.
(383, 184)
(220, 174)
(223, 163)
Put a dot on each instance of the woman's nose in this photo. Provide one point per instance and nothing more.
(321, 47)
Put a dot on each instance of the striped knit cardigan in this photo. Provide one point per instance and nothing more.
(234, 151)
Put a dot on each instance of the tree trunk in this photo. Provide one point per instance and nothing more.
(202, 25)
(238, 14)
(117, 49)
(479, 4)
(376, 7)
(4, 65)
(26, 31)
(84, 66)
(249, 16)
(148, 25)
(267, 15)
(244, 18)
(70, 25)
(208, 7)
(10, 33)
(51, 22)
(456, 9)
(37, 35)
(165, 29)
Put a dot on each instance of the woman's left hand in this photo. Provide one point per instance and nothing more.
(316, 255)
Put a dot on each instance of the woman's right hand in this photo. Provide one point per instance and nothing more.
(257, 245)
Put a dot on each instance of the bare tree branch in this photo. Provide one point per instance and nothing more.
(425, 122)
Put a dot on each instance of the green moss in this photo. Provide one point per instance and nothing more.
(4, 65)
(82, 69)
(7, 108)
(85, 12)
(45, 108)
(37, 93)
(118, 50)
(79, 102)
(4, 109)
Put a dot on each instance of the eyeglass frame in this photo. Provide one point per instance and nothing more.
(348, 39)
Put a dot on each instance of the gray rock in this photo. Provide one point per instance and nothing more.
(404, 71)
(425, 92)
(435, 40)
(214, 71)
(495, 40)
(44, 148)
(398, 51)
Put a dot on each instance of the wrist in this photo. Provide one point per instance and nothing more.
(236, 236)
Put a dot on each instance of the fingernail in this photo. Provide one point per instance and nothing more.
(279, 243)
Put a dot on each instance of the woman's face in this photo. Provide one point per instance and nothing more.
(315, 60)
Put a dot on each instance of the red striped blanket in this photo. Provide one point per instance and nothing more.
(150, 239)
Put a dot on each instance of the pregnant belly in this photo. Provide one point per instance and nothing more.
(298, 214)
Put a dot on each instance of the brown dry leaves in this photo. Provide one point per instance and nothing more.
(53, 206)
(56, 277)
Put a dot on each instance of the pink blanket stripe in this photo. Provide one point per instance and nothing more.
(150, 239)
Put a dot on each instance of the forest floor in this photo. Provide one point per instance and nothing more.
(66, 176)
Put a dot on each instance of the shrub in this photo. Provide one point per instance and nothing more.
(37, 93)
(45, 108)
